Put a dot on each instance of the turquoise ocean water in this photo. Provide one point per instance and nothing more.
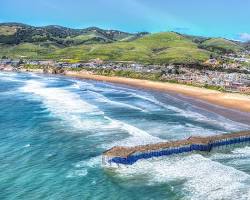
(53, 130)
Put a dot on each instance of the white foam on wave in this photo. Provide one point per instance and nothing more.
(58, 99)
(64, 104)
(26, 146)
(77, 173)
(137, 136)
(184, 130)
(80, 114)
(9, 77)
(96, 92)
(82, 85)
(215, 120)
(101, 98)
(92, 87)
(201, 177)
(90, 163)
(189, 129)
(237, 157)
(150, 99)
(242, 151)
(9, 74)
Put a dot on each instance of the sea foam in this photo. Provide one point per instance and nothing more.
(72, 108)
(63, 104)
(201, 177)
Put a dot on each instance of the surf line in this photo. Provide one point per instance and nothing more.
(129, 155)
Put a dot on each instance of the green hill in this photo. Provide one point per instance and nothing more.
(56, 42)
(221, 45)
(160, 48)
(155, 48)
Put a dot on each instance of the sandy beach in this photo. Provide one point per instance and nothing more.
(228, 100)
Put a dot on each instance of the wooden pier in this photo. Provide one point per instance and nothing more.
(129, 155)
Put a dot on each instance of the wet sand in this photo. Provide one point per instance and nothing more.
(232, 114)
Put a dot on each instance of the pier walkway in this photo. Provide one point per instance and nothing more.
(129, 155)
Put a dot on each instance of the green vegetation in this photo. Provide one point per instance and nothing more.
(85, 39)
(25, 50)
(157, 48)
(212, 87)
(129, 74)
(73, 45)
(221, 45)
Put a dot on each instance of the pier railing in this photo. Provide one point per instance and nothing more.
(129, 155)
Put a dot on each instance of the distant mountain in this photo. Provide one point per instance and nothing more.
(16, 33)
(56, 42)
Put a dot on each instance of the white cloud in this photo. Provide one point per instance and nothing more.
(245, 36)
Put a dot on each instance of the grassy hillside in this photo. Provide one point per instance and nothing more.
(160, 48)
(221, 45)
(156, 48)
(56, 42)
(26, 50)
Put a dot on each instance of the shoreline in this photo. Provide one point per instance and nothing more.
(233, 106)
(238, 102)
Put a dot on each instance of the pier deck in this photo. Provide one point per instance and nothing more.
(129, 155)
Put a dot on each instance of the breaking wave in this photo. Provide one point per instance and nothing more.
(201, 177)
(80, 114)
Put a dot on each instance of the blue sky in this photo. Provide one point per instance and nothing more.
(224, 18)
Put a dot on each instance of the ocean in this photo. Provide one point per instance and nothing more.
(53, 130)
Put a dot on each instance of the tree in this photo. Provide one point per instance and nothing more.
(4, 57)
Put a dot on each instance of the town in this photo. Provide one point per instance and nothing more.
(231, 73)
